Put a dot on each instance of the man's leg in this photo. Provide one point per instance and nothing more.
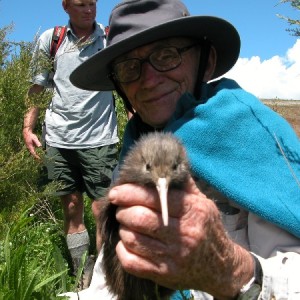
(96, 165)
(78, 240)
(99, 164)
(97, 206)
(64, 168)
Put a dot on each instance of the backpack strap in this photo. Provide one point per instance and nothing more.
(58, 36)
(106, 30)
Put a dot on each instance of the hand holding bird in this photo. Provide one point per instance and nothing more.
(192, 251)
(157, 162)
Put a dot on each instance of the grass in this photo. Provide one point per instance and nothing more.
(31, 265)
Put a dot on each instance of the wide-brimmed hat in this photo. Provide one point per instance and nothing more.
(134, 23)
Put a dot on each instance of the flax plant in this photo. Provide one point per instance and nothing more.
(31, 266)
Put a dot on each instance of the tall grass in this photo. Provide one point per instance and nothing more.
(33, 253)
(31, 265)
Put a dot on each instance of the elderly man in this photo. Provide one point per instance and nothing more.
(234, 231)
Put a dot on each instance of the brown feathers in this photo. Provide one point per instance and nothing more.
(158, 160)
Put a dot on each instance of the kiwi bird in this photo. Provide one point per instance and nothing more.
(157, 160)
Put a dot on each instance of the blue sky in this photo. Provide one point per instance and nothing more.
(263, 34)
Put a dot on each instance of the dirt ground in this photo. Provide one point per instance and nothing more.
(289, 109)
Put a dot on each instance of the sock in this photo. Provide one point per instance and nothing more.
(78, 243)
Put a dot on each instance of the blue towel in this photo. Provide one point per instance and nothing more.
(236, 143)
(181, 295)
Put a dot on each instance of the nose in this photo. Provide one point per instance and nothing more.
(89, 9)
(149, 75)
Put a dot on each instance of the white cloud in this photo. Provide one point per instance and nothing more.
(277, 77)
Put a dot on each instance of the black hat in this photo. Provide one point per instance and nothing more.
(134, 23)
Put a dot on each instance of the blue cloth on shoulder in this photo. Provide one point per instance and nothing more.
(242, 148)
(245, 150)
(181, 295)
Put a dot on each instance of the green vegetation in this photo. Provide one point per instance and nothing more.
(33, 256)
(294, 24)
(31, 266)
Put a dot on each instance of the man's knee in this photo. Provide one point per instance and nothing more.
(73, 205)
(97, 207)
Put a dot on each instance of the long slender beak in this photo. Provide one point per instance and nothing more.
(162, 188)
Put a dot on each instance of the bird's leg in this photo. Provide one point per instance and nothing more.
(162, 188)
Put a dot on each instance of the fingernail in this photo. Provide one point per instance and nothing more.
(112, 194)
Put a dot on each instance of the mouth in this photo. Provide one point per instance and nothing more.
(159, 97)
(88, 18)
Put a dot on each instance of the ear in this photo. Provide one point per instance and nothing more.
(211, 64)
(65, 6)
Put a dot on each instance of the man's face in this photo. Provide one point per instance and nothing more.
(82, 12)
(155, 94)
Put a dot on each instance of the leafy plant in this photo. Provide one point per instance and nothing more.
(33, 252)
(31, 265)
(296, 5)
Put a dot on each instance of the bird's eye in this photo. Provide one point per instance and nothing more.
(148, 167)
(174, 167)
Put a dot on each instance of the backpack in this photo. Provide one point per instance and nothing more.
(59, 34)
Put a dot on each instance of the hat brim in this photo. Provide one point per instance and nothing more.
(93, 73)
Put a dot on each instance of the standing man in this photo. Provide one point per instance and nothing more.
(80, 125)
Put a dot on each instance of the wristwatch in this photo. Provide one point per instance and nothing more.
(252, 289)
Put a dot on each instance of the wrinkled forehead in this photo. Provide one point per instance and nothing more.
(148, 48)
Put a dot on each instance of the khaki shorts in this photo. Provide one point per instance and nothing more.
(85, 170)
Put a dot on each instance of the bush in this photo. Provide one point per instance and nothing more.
(18, 172)
(33, 253)
(31, 265)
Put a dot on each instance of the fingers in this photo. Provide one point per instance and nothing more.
(139, 209)
(36, 141)
(134, 195)
(33, 152)
(192, 251)
(142, 244)
(32, 142)
(131, 194)
(147, 258)
(167, 254)
(148, 222)
(141, 266)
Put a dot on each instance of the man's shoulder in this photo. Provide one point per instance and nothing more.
(47, 34)
(100, 28)
(100, 25)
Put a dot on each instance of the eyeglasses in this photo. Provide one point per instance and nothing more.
(162, 60)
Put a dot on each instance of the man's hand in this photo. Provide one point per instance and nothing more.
(30, 119)
(31, 142)
(193, 251)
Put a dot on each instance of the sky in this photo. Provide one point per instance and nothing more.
(269, 61)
